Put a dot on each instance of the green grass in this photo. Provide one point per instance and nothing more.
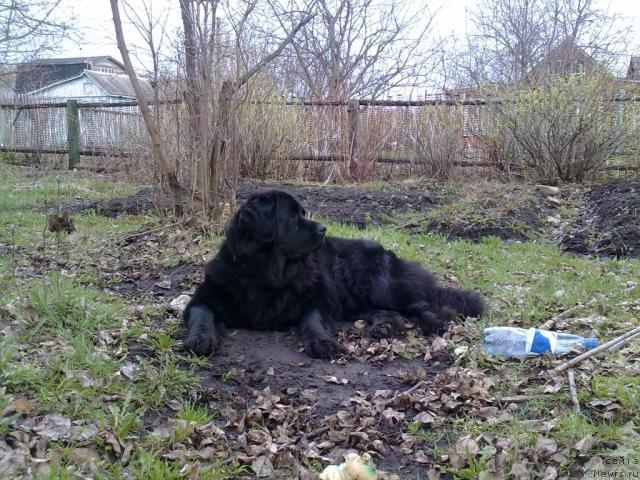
(194, 414)
(67, 339)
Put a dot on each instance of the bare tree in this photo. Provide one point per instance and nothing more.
(151, 25)
(512, 36)
(29, 28)
(220, 59)
(168, 175)
(362, 48)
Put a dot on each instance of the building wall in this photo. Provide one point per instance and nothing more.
(81, 88)
(107, 66)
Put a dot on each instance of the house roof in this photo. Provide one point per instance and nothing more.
(74, 60)
(48, 71)
(566, 58)
(633, 72)
(118, 85)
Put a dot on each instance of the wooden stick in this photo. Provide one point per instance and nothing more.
(567, 313)
(402, 394)
(313, 433)
(517, 398)
(626, 338)
(572, 390)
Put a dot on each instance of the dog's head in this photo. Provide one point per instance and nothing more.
(276, 220)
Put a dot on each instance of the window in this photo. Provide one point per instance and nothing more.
(88, 87)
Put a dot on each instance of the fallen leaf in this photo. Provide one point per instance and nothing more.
(438, 344)
(550, 473)
(54, 427)
(126, 454)
(488, 412)
(421, 457)
(585, 445)
(128, 370)
(262, 467)
(19, 405)
(425, 418)
(85, 457)
(546, 446)
(519, 471)
(393, 416)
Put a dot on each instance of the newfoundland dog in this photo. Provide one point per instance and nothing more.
(276, 269)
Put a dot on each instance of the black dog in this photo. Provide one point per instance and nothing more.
(276, 269)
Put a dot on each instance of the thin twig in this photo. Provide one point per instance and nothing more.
(567, 313)
(517, 398)
(153, 230)
(414, 223)
(314, 433)
(622, 339)
(402, 394)
(572, 390)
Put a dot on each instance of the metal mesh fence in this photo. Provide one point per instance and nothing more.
(285, 139)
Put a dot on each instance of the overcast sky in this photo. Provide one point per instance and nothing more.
(94, 20)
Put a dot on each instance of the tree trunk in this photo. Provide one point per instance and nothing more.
(166, 172)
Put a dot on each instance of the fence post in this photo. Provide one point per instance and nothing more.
(73, 133)
(353, 119)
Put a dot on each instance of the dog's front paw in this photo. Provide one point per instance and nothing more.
(322, 347)
(202, 343)
(386, 324)
(436, 322)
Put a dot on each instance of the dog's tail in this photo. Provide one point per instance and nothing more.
(466, 302)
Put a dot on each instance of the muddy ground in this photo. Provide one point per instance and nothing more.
(608, 223)
(317, 409)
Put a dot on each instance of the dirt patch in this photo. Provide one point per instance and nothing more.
(608, 223)
(141, 202)
(168, 283)
(322, 407)
(355, 205)
(506, 211)
(522, 226)
(469, 214)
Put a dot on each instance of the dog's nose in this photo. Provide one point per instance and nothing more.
(321, 229)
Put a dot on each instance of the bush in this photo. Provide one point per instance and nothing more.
(437, 140)
(565, 129)
(12, 158)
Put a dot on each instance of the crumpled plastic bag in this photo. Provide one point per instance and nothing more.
(355, 467)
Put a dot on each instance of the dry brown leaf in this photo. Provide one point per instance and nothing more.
(393, 416)
(425, 418)
(421, 457)
(585, 445)
(519, 471)
(19, 405)
(438, 344)
(488, 412)
(546, 446)
(262, 467)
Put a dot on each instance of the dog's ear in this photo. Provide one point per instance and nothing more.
(258, 217)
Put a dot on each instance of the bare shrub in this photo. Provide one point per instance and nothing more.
(566, 128)
(267, 127)
(437, 140)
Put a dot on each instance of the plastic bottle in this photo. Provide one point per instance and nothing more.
(518, 342)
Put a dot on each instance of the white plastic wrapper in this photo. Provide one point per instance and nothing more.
(355, 467)
(180, 303)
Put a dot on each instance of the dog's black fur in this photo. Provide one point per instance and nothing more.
(276, 269)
